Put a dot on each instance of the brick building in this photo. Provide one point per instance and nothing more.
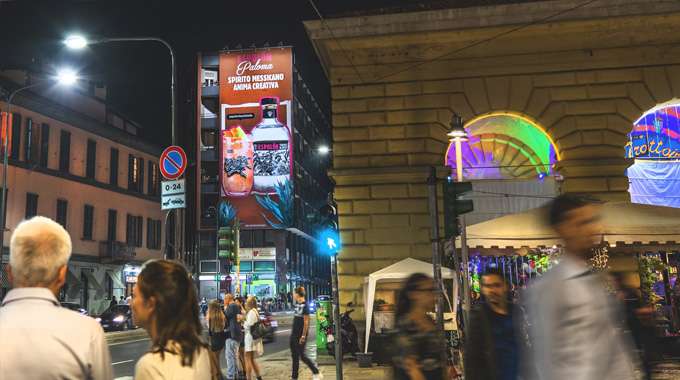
(580, 72)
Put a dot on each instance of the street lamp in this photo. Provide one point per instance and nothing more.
(323, 150)
(457, 135)
(65, 77)
(79, 42)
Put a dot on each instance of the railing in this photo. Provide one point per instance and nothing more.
(115, 251)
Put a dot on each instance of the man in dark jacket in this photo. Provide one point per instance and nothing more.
(492, 347)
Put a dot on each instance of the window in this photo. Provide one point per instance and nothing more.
(113, 168)
(65, 152)
(133, 232)
(16, 136)
(88, 220)
(245, 266)
(135, 174)
(154, 179)
(153, 234)
(113, 220)
(44, 144)
(31, 205)
(91, 163)
(30, 152)
(62, 209)
(264, 266)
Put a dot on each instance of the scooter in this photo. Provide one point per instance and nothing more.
(349, 336)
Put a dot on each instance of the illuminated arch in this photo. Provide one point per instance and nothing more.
(505, 145)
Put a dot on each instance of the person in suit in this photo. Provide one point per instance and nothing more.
(572, 320)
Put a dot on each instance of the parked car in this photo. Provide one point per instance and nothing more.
(270, 323)
(75, 307)
(117, 317)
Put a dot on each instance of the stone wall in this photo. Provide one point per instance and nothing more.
(583, 80)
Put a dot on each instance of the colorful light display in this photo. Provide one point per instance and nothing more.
(656, 134)
(504, 145)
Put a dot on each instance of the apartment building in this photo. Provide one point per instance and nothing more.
(74, 159)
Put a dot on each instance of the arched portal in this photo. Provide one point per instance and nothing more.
(654, 143)
(505, 145)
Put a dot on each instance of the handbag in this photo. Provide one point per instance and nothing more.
(258, 330)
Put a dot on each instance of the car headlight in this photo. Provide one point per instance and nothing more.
(119, 319)
(98, 319)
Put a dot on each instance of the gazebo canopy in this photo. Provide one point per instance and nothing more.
(622, 223)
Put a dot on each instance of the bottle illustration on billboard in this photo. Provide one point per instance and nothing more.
(271, 149)
(237, 179)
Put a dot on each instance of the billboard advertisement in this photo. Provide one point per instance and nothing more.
(256, 155)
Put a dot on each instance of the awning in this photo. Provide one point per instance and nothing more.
(117, 283)
(622, 223)
(93, 283)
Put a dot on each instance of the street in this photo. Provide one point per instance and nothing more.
(124, 355)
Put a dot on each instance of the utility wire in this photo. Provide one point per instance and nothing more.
(330, 31)
(483, 41)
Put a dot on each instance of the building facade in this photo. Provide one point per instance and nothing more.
(271, 260)
(76, 161)
(580, 75)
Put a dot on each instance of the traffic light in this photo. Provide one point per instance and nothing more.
(329, 234)
(226, 243)
(454, 206)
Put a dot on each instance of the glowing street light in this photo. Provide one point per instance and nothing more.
(75, 42)
(324, 150)
(66, 77)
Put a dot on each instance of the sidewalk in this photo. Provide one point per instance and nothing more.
(277, 367)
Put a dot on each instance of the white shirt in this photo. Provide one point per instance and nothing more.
(40, 340)
(152, 367)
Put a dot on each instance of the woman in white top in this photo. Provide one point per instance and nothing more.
(165, 304)
(252, 346)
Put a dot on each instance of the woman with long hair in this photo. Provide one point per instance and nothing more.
(166, 305)
(418, 343)
(252, 346)
(217, 335)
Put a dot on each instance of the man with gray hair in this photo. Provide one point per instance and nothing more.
(39, 339)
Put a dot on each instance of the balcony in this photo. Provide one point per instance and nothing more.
(115, 252)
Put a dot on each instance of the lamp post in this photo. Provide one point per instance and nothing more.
(458, 135)
(79, 42)
(64, 77)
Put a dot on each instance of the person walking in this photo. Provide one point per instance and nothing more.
(38, 338)
(166, 306)
(573, 331)
(298, 336)
(417, 345)
(113, 302)
(217, 335)
(239, 301)
(232, 312)
(252, 346)
(492, 348)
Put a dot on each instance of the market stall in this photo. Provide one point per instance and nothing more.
(399, 272)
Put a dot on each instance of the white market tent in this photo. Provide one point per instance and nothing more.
(623, 224)
(398, 272)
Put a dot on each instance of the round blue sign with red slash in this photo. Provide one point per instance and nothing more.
(173, 162)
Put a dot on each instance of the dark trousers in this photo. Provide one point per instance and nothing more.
(298, 352)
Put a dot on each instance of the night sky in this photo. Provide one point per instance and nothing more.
(137, 74)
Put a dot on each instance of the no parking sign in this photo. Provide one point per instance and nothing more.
(173, 162)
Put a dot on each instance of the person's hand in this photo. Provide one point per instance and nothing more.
(303, 339)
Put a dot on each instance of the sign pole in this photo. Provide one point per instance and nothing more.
(336, 318)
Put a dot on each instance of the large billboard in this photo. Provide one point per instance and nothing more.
(656, 135)
(256, 155)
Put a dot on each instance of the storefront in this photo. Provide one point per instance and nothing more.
(257, 272)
